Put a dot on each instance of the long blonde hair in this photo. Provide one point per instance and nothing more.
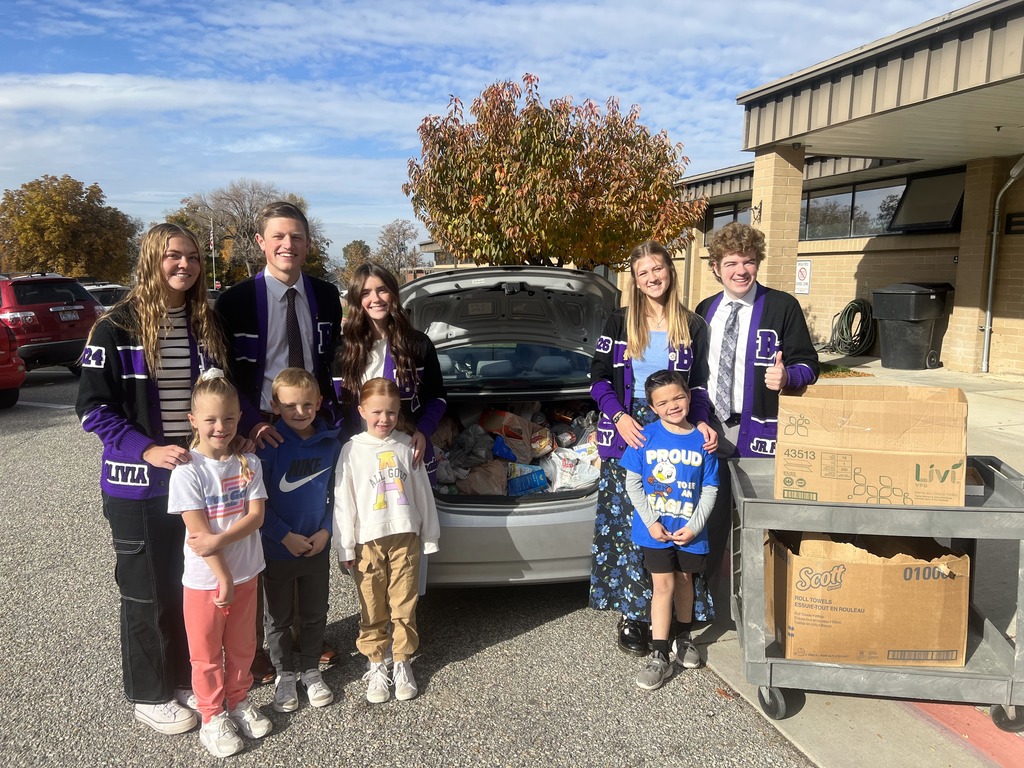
(149, 300)
(213, 383)
(676, 313)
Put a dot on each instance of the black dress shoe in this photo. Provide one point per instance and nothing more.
(633, 637)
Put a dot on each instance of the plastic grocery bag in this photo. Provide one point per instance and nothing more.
(566, 471)
(471, 448)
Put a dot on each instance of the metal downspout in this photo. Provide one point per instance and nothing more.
(987, 345)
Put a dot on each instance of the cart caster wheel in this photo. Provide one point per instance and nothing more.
(1008, 718)
(932, 359)
(772, 701)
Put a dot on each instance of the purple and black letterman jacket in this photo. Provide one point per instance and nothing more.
(243, 313)
(777, 324)
(612, 375)
(119, 401)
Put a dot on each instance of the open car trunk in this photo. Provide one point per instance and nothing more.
(506, 455)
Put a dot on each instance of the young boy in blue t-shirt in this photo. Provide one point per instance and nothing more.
(672, 483)
(299, 476)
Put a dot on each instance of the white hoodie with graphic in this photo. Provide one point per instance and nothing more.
(377, 493)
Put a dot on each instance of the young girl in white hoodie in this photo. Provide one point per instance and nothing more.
(384, 517)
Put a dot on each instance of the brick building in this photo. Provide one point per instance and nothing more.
(884, 165)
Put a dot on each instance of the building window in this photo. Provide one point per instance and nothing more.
(874, 205)
(931, 202)
(718, 216)
(828, 213)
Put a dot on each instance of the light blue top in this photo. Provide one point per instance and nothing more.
(655, 359)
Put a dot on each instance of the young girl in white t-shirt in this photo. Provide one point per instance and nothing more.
(220, 496)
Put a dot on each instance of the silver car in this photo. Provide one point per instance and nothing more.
(506, 336)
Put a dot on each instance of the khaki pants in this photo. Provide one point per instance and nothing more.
(387, 578)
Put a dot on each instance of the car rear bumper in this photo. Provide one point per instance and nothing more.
(51, 352)
(542, 542)
(12, 374)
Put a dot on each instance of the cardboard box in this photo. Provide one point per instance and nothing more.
(873, 445)
(895, 602)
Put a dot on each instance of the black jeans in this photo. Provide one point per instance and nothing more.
(154, 649)
(311, 575)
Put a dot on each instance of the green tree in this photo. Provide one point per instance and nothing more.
(234, 210)
(355, 253)
(536, 184)
(60, 225)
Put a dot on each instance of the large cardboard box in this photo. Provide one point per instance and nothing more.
(873, 445)
(891, 602)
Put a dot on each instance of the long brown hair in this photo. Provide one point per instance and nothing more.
(359, 333)
(676, 313)
(149, 299)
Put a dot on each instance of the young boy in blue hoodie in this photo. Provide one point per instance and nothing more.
(299, 477)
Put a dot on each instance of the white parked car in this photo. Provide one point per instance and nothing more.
(508, 337)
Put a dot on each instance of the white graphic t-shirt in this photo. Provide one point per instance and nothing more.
(220, 488)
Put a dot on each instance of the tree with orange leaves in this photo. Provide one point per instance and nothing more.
(525, 183)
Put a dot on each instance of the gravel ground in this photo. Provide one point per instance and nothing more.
(516, 676)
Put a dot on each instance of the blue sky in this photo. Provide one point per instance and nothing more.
(155, 100)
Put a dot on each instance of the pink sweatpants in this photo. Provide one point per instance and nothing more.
(221, 646)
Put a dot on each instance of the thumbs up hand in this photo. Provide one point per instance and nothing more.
(775, 377)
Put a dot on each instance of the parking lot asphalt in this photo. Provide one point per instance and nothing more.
(514, 676)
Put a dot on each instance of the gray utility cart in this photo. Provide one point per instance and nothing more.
(994, 670)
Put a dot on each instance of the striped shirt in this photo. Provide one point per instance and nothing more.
(174, 376)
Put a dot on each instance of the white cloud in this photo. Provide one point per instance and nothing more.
(155, 101)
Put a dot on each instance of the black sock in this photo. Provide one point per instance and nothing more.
(683, 629)
(660, 646)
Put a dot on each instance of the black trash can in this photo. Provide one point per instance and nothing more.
(906, 314)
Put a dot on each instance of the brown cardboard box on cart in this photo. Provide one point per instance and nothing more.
(895, 602)
(873, 445)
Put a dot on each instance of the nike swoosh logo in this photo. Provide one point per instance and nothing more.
(287, 486)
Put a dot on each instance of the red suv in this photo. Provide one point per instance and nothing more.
(50, 316)
(12, 369)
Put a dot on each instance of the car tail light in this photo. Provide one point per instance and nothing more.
(19, 319)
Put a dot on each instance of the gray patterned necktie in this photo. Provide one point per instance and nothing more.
(296, 359)
(727, 363)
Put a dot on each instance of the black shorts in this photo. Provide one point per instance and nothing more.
(671, 560)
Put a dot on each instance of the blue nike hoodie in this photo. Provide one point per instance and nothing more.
(299, 476)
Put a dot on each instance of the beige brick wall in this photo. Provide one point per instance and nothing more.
(842, 270)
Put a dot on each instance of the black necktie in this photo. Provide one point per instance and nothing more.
(295, 357)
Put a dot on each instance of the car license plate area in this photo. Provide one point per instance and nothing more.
(68, 315)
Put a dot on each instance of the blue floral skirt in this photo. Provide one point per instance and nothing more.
(618, 580)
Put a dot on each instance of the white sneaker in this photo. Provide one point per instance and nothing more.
(250, 720)
(169, 717)
(377, 683)
(219, 737)
(187, 698)
(285, 697)
(405, 683)
(316, 689)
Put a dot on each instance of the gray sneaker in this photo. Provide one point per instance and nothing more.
(686, 653)
(655, 672)
(285, 697)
